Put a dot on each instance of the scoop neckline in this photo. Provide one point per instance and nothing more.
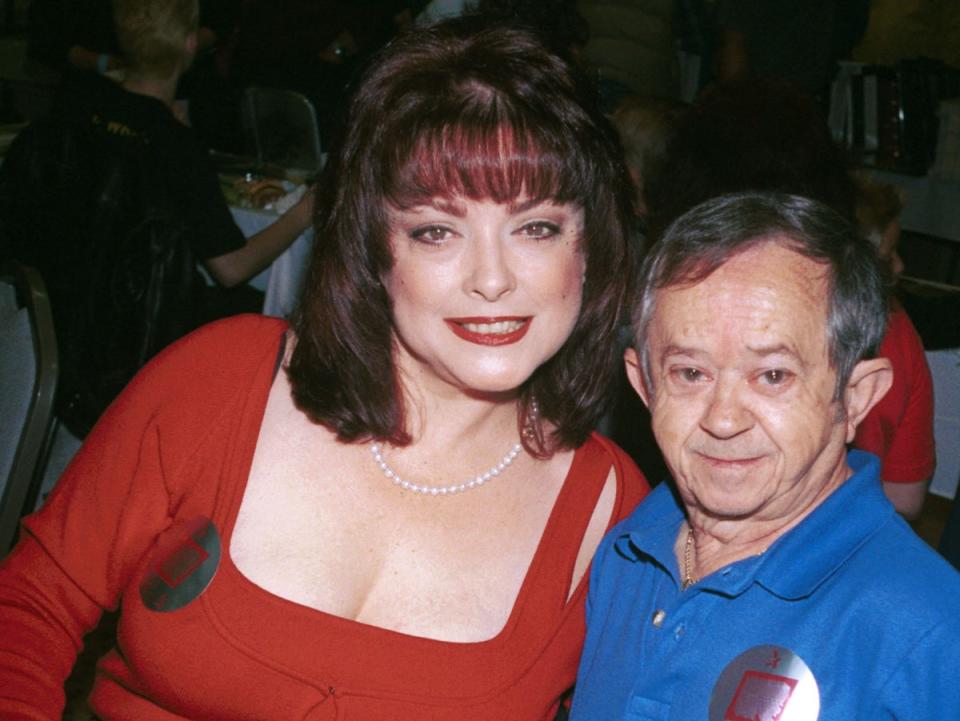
(243, 448)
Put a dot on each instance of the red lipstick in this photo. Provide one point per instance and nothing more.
(457, 325)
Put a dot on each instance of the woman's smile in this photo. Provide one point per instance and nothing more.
(490, 331)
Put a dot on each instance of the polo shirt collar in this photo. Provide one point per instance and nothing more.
(802, 559)
(651, 533)
(797, 563)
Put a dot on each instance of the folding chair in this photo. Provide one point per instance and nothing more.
(28, 381)
(280, 127)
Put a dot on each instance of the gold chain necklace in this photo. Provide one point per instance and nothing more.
(688, 579)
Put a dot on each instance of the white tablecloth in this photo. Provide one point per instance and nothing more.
(945, 368)
(281, 282)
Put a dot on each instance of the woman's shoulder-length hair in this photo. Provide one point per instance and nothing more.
(459, 109)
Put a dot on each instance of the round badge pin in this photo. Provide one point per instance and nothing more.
(766, 683)
(182, 565)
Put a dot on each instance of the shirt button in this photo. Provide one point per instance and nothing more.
(658, 618)
(678, 632)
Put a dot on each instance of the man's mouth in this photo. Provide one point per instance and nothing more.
(729, 462)
(490, 331)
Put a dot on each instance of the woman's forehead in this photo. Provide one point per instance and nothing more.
(478, 163)
(459, 205)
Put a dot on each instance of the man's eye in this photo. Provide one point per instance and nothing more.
(776, 377)
(431, 234)
(540, 229)
(688, 375)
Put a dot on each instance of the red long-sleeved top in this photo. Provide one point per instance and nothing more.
(177, 446)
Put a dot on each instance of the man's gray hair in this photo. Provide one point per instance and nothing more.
(710, 234)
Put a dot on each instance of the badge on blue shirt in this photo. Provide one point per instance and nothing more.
(766, 683)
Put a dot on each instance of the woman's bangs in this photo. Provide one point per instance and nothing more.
(479, 164)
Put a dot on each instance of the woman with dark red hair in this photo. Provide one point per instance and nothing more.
(387, 510)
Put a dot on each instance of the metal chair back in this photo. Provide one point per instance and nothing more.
(28, 380)
(281, 128)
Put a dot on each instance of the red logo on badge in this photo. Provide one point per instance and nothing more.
(760, 697)
(182, 561)
(182, 565)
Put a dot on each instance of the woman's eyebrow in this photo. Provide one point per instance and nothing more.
(519, 206)
(448, 205)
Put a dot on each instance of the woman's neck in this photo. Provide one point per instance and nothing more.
(448, 420)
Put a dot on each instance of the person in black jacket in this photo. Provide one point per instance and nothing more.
(114, 200)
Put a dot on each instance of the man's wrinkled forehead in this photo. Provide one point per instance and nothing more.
(776, 288)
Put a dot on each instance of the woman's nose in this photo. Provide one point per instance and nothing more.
(491, 275)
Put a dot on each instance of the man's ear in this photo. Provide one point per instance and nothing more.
(635, 374)
(869, 383)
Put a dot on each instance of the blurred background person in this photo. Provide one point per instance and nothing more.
(794, 41)
(902, 422)
(315, 47)
(558, 23)
(646, 126)
(632, 48)
(114, 201)
(73, 33)
(65, 36)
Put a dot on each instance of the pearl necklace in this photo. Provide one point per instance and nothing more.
(444, 490)
(528, 431)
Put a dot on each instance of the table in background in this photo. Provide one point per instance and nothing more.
(945, 368)
(282, 281)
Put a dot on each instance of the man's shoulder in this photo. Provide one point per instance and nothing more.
(660, 503)
(905, 579)
(649, 526)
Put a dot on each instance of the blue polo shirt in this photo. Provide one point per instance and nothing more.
(849, 616)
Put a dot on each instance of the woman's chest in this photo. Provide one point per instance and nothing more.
(236, 649)
(427, 567)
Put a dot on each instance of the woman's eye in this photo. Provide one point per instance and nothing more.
(431, 234)
(540, 229)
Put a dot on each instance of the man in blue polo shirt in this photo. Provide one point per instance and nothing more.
(773, 581)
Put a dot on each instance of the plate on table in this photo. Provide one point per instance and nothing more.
(255, 191)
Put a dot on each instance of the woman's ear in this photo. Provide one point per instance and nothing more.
(635, 374)
(868, 384)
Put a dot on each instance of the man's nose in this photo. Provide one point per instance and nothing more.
(726, 416)
(491, 275)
